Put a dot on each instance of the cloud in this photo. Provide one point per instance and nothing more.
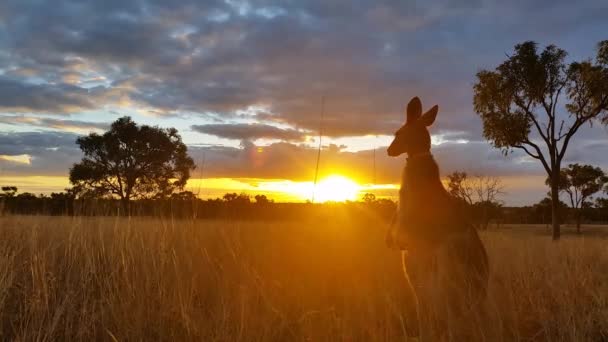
(19, 159)
(366, 58)
(48, 153)
(298, 162)
(250, 132)
(17, 96)
(75, 126)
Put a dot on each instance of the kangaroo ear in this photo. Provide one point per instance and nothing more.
(414, 110)
(428, 118)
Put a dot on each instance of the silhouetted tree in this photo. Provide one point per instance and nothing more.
(543, 210)
(237, 199)
(229, 197)
(131, 161)
(61, 203)
(261, 199)
(601, 205)
(8, 191)
(580, 182)
(183, 196)
(601, 202)
(478, 192)
(369, 198)
(518, 103)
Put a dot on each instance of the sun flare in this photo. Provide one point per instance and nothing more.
(336, 188)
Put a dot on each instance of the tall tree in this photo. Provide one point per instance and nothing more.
(131, 161)
(519, 104)
(580, 182)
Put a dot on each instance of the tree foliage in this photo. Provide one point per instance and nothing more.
(579, 183)
(542, 209)
(8, 191)
(262, 200)
(519, 104)
(132, 162)
(480, 193)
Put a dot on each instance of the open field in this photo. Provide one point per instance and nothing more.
(64, 278)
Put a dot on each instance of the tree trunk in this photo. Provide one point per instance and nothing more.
(555, 205)
(486, 220)
(125, 206)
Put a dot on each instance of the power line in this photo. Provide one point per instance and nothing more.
(319, 148)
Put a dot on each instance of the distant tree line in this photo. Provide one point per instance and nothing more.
(480, 196)
(186, 204)
(242, 206)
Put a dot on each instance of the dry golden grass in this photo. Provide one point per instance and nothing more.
(80, 278)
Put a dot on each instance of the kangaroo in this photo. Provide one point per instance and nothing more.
(444, 260)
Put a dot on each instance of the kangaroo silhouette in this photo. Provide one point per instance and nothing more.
(444, 260)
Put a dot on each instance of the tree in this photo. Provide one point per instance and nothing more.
(230, 197)
(518, 103)
(542, 210)
(183, 196)
(369, 198)
(132, 162)
(261, 199)
(601, 203)
(8, 191)
(237, 199)
(580, 182)
(478, 192)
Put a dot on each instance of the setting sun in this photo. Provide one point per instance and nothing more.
(336, 188)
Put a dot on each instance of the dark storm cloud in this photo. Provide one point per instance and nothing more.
(52, 153)
(366, 57)
(250, 132)
(17, 96)
(35, 142)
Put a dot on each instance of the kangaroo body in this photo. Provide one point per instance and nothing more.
(444, 260)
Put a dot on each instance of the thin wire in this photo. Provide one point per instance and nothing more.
(314, 189)
(375, 148)
(201, 174)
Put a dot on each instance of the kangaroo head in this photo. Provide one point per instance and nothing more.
(413, 137)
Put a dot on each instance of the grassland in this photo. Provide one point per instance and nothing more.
(64, 278)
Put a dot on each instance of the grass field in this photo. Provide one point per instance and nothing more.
(111, 279)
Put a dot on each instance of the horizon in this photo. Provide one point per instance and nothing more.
(278, 190)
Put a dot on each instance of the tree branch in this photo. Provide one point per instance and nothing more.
(580, 120)
(535, 156)
(539, 128)
(539, 154)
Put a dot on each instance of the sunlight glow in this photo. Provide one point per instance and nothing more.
(337, 189)
(333, 188)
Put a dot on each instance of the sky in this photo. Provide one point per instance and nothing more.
(245, 83)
